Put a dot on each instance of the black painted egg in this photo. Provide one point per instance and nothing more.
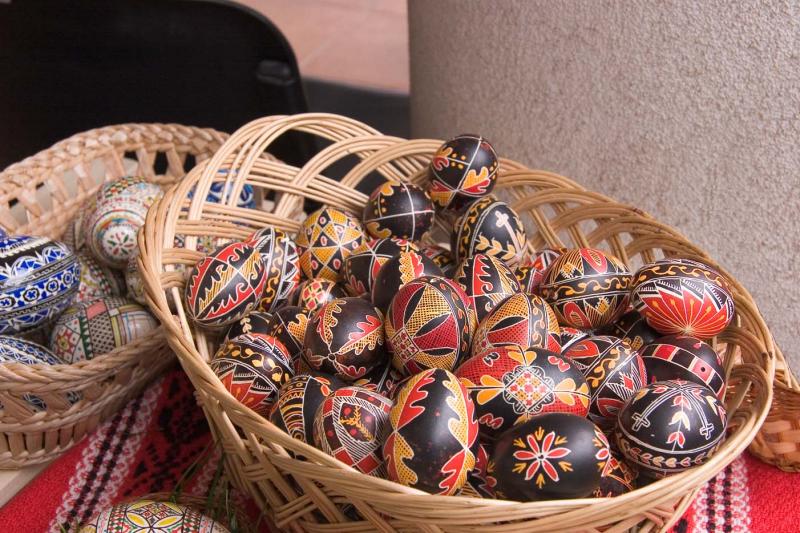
(669, 426)
(477, 485)
(253, 367)
(362, 266)
(288, 325)
(633, 328)
(687, 358)
(522, 320)
(491, 227)
(312, 294)
(680, 296)
(325, 239)
(298, 401)
(396, 272)
(345, 338)
(530, 273)
(617, 479)
(587, 288)
(487, 281)
(510, 385)
(350, 425)
(428, 326)
(569, 336)
(433, 433)
(226, 285)
(462, 170)
(281, 265)
(382, 379)
(614, 372)
(253, 322)
(553, 456)
(442, 257)
(400, 210)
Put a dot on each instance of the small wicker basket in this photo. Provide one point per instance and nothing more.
(41, 196)
(320, 493)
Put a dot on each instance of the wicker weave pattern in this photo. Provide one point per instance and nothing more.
(309, 495)
(40, 196)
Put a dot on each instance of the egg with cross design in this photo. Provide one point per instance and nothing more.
(398, 209)
(491, 227)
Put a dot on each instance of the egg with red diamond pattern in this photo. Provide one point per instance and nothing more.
(312, 294)
(428, 326)
(325, 239)
(522, 320)
(462, 170)
(362, 266)
(681, 296)
(433, 434)
(614, 372)
(288, 324)
(491, 227)
(670, 426)
(298, 401)
(633, 328)
(487, 281)
(511, 385)
(687, 358)
(550, 457)
(587, 288)
(617, 479)
(442, 257)
(345, 338)
(531, 272)
(253, 367)
(281, 265)
(350, 424)
(396, 272)
(398, 209)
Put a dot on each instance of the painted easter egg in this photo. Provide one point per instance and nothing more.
(442, 257)
(617, 479)
(487, 281)
(221, 190)
(511, 385)
(312, 294)
(325, 239)
(477, 485)
(345, 338)
(462, 170)
(530, 273)
(145, 516)
(680, 296)
(614, 372)
(298, 401)
(633, 328)
(551, 457)
(349, 425)
(396, 272)
(569, 337)
(522, 320)
(133, 280)
(489, 226)
(288, 324)
(433, 433)
(587, 288)
(281, 265)
(428, 326)
(38, 280)
(253, 367)
(362, 266)
(253, 322)
(669, 426)
(382, 379)
(398, 209)
(687, 358)
(128, 186)
(226, 285)
(111, 229)
(91, 329)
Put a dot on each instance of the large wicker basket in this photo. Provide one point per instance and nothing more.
(40, 196)
(321, 493)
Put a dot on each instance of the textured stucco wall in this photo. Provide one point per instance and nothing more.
(690, 110)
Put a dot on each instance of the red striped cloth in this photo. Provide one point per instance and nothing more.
(149, 445)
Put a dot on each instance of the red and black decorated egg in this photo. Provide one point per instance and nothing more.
(226, 285)
(298, 401)
(396, 272)
(442, 257)
(680, 296)
(614, 372)
(312, 294)
(487, 281)
(362, 266)
(553, 456)
(633, 328)
(326, 238)
(569, 336)
(382, 379)
(253, 367)
(669, 426)
(477, 485)
(587, 288)
(350, 425)
(510, 386)
(687, 358)
(345, 338)
(617, 479)
(397, 209)
(462, 170)
(522, 320)
(288, 324)
(531, 272)
(281, 265)
(428, 326)
(491, 227)
(433, 433)
(254, 322)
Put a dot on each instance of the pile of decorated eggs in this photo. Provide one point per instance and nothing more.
(486, 369)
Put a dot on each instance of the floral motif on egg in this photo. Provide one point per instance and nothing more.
(490, 226)
(146, 516)
(325, 239)
(111, 229)
(462, 170)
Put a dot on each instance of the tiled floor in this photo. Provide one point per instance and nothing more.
(362, 43)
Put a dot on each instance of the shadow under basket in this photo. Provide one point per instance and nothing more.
(41, 196)
(322, 494)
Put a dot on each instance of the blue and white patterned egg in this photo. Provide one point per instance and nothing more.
(220, 191)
